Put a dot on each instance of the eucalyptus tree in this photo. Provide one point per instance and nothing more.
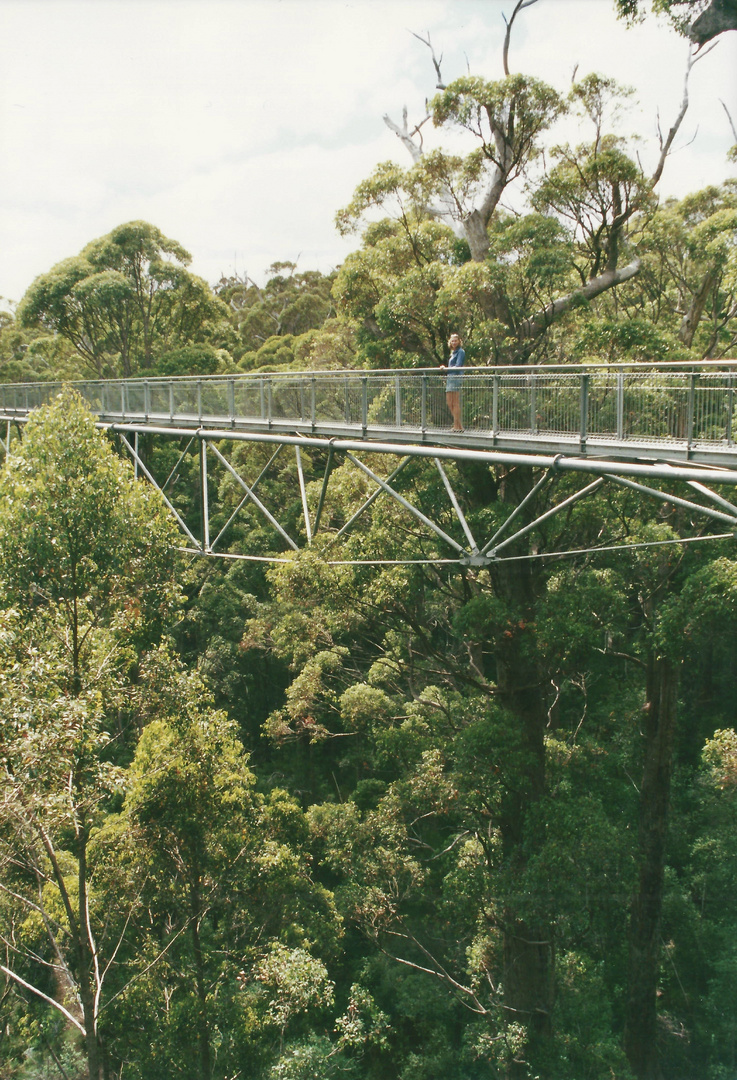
(220, 885)
(87, 559)
(124, 299)
(289, 304)
(592, 192)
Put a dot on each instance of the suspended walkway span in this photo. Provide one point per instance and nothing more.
(631, 425)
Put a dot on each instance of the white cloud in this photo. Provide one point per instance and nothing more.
(239, 127)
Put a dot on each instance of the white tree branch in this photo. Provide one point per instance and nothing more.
(538, 324)
(521, 5)
(45, 997)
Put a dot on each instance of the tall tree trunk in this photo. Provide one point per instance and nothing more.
(85, 948)
(644, 938)
(690, 321)
(528, 967)
(203, 1027)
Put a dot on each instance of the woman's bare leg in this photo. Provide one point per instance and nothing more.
(453, 398)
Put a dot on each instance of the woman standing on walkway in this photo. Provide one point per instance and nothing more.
(453, 381)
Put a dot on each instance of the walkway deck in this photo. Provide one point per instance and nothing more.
(644, 412)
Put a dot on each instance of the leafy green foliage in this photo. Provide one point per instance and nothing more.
(124, 299)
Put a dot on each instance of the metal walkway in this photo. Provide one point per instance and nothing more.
(629, 424)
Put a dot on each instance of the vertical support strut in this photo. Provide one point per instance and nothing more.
(205, 499)
(325, 479)
(495, 406)
(303, 493)
(691, 409)
(730, 408)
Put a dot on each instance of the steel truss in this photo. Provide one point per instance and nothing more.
(207, 443)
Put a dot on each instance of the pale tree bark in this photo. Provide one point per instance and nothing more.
(471, 224)
(82, 977)
(692, 318)
(535, 326)
(538, 324)
(474, 224)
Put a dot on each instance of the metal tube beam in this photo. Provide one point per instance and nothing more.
(407, 505)
(151, 480)
(370, 500)
(713, 495)
(227, 524)
(548, 514)
(517, 511)
(251, 493)
(456, 507)
(179, 462)
(205, 499)
(303, 493)
(597, 466)
(663, 496)
(325, 479)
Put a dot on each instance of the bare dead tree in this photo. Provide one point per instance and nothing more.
(520, 6)
(439, 85)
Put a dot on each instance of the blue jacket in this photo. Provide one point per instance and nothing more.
(456, 361)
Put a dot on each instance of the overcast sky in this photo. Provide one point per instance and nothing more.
(239, 127)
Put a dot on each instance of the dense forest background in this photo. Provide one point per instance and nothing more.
(303, 821)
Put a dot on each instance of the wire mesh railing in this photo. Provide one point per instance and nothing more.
(689, 405)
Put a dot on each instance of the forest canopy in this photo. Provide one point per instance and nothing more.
(279, 817)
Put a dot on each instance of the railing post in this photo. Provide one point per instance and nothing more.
(231, 401)
(692, 379)
(584, 430)
(171, 400)
(364, 403)
(146, 399)
(494, 406)
(199, 401)
(269, 400)
(346, 401)
(423, 402)
(397, 402)
(262, 399)
(313, 402)
(730, 407)
(533, 405)
(620, 405)
(122, 401)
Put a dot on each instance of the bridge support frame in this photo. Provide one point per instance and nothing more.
(465, 551)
